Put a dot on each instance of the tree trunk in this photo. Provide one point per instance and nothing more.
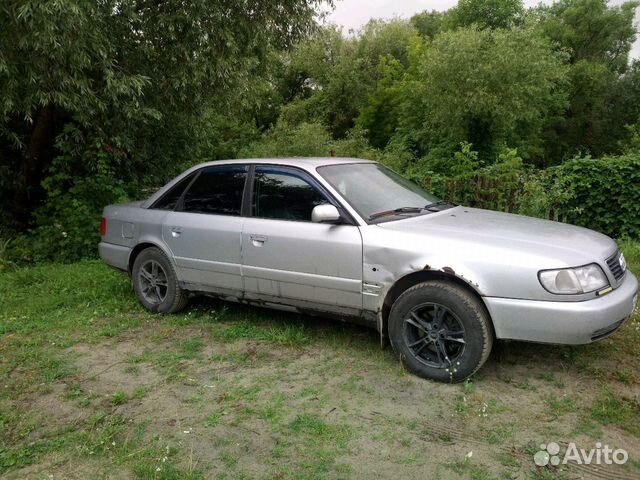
(28, 192)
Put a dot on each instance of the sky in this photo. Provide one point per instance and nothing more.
(353, 14)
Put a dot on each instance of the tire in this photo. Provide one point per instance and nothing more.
(162, 295)
(440, 331)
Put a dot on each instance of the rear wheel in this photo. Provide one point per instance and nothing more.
(155, 282)
(440, 331)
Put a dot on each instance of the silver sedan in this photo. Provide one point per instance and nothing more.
(351, 239)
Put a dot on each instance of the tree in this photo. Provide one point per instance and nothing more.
(380, 117)
(380, 39)
(332, 76)
(123, 70)
(430, 23)
(489, 88)
(598, 39)
(591, 30)
(487, 13)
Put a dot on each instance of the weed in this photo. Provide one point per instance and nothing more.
(118, 398)
(611, 409)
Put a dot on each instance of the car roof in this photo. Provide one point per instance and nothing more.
(302, 162)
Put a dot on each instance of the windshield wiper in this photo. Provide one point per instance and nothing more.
(395, 211)
(429, 206)
(401, 210)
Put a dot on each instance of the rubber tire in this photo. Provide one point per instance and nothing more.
(470, 311)
(176, 298)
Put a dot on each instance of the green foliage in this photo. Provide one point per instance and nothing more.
(609, 29)
(81, 181)
(488, 13)
(604, 193)
(381, 115)
(485, 87)
(308, 140)
(303, 140)
(379, 39)
(597, 37)
(632, 143)
(330, 76)
(430, 23)
(136, 77)
(601, 194)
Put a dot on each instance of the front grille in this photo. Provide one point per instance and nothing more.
(614, 265)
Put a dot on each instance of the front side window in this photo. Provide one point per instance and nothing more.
(169, 200)
(284, 195)
(217, 191)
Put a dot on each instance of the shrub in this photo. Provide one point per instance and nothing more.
(601, 194)
(604, 193)
(303, 140)
(80, 182)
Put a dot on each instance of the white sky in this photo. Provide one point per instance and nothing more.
(353, 14)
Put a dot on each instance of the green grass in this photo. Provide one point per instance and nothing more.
(474, 471)
(560, 405)
(118, 398)
(287, 335)
(612, 409)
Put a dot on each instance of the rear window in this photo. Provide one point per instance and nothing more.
(169, 200)
(217, 191)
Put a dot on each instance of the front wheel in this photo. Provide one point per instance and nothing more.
(440, 331)
(155, 282)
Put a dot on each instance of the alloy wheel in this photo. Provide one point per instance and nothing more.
(153, 282)
(434, 335)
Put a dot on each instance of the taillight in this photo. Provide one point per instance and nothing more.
(103, 227)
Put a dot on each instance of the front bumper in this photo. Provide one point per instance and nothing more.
(563, 322)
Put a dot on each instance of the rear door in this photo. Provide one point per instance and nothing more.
(289, 259)
(203, 233)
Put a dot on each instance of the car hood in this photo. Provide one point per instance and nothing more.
(554, 240)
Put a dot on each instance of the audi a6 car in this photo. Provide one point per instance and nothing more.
(351, 239)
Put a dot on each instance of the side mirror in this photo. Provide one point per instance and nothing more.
(325, 214)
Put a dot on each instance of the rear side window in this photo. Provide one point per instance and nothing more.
(170, 199)
(284, 195)
(217, 191)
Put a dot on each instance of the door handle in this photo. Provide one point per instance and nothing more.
(258, 240)
(176, 231)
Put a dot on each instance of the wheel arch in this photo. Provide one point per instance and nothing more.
(143, 245)
(414, 278)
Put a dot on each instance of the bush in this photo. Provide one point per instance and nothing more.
(601, 194)
(604, 193)
(304, 140)
(80, 182)
(309, 140)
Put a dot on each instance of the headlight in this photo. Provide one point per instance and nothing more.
(573, 280)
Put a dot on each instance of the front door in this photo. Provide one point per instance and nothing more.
(203, 233)
(289, 259)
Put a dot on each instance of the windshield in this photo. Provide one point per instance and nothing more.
(371, 189)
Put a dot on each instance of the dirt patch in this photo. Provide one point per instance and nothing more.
(256, 409)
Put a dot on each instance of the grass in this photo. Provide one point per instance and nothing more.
(474, 471)
(613, 409)
(287, 335)
(91, 382)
